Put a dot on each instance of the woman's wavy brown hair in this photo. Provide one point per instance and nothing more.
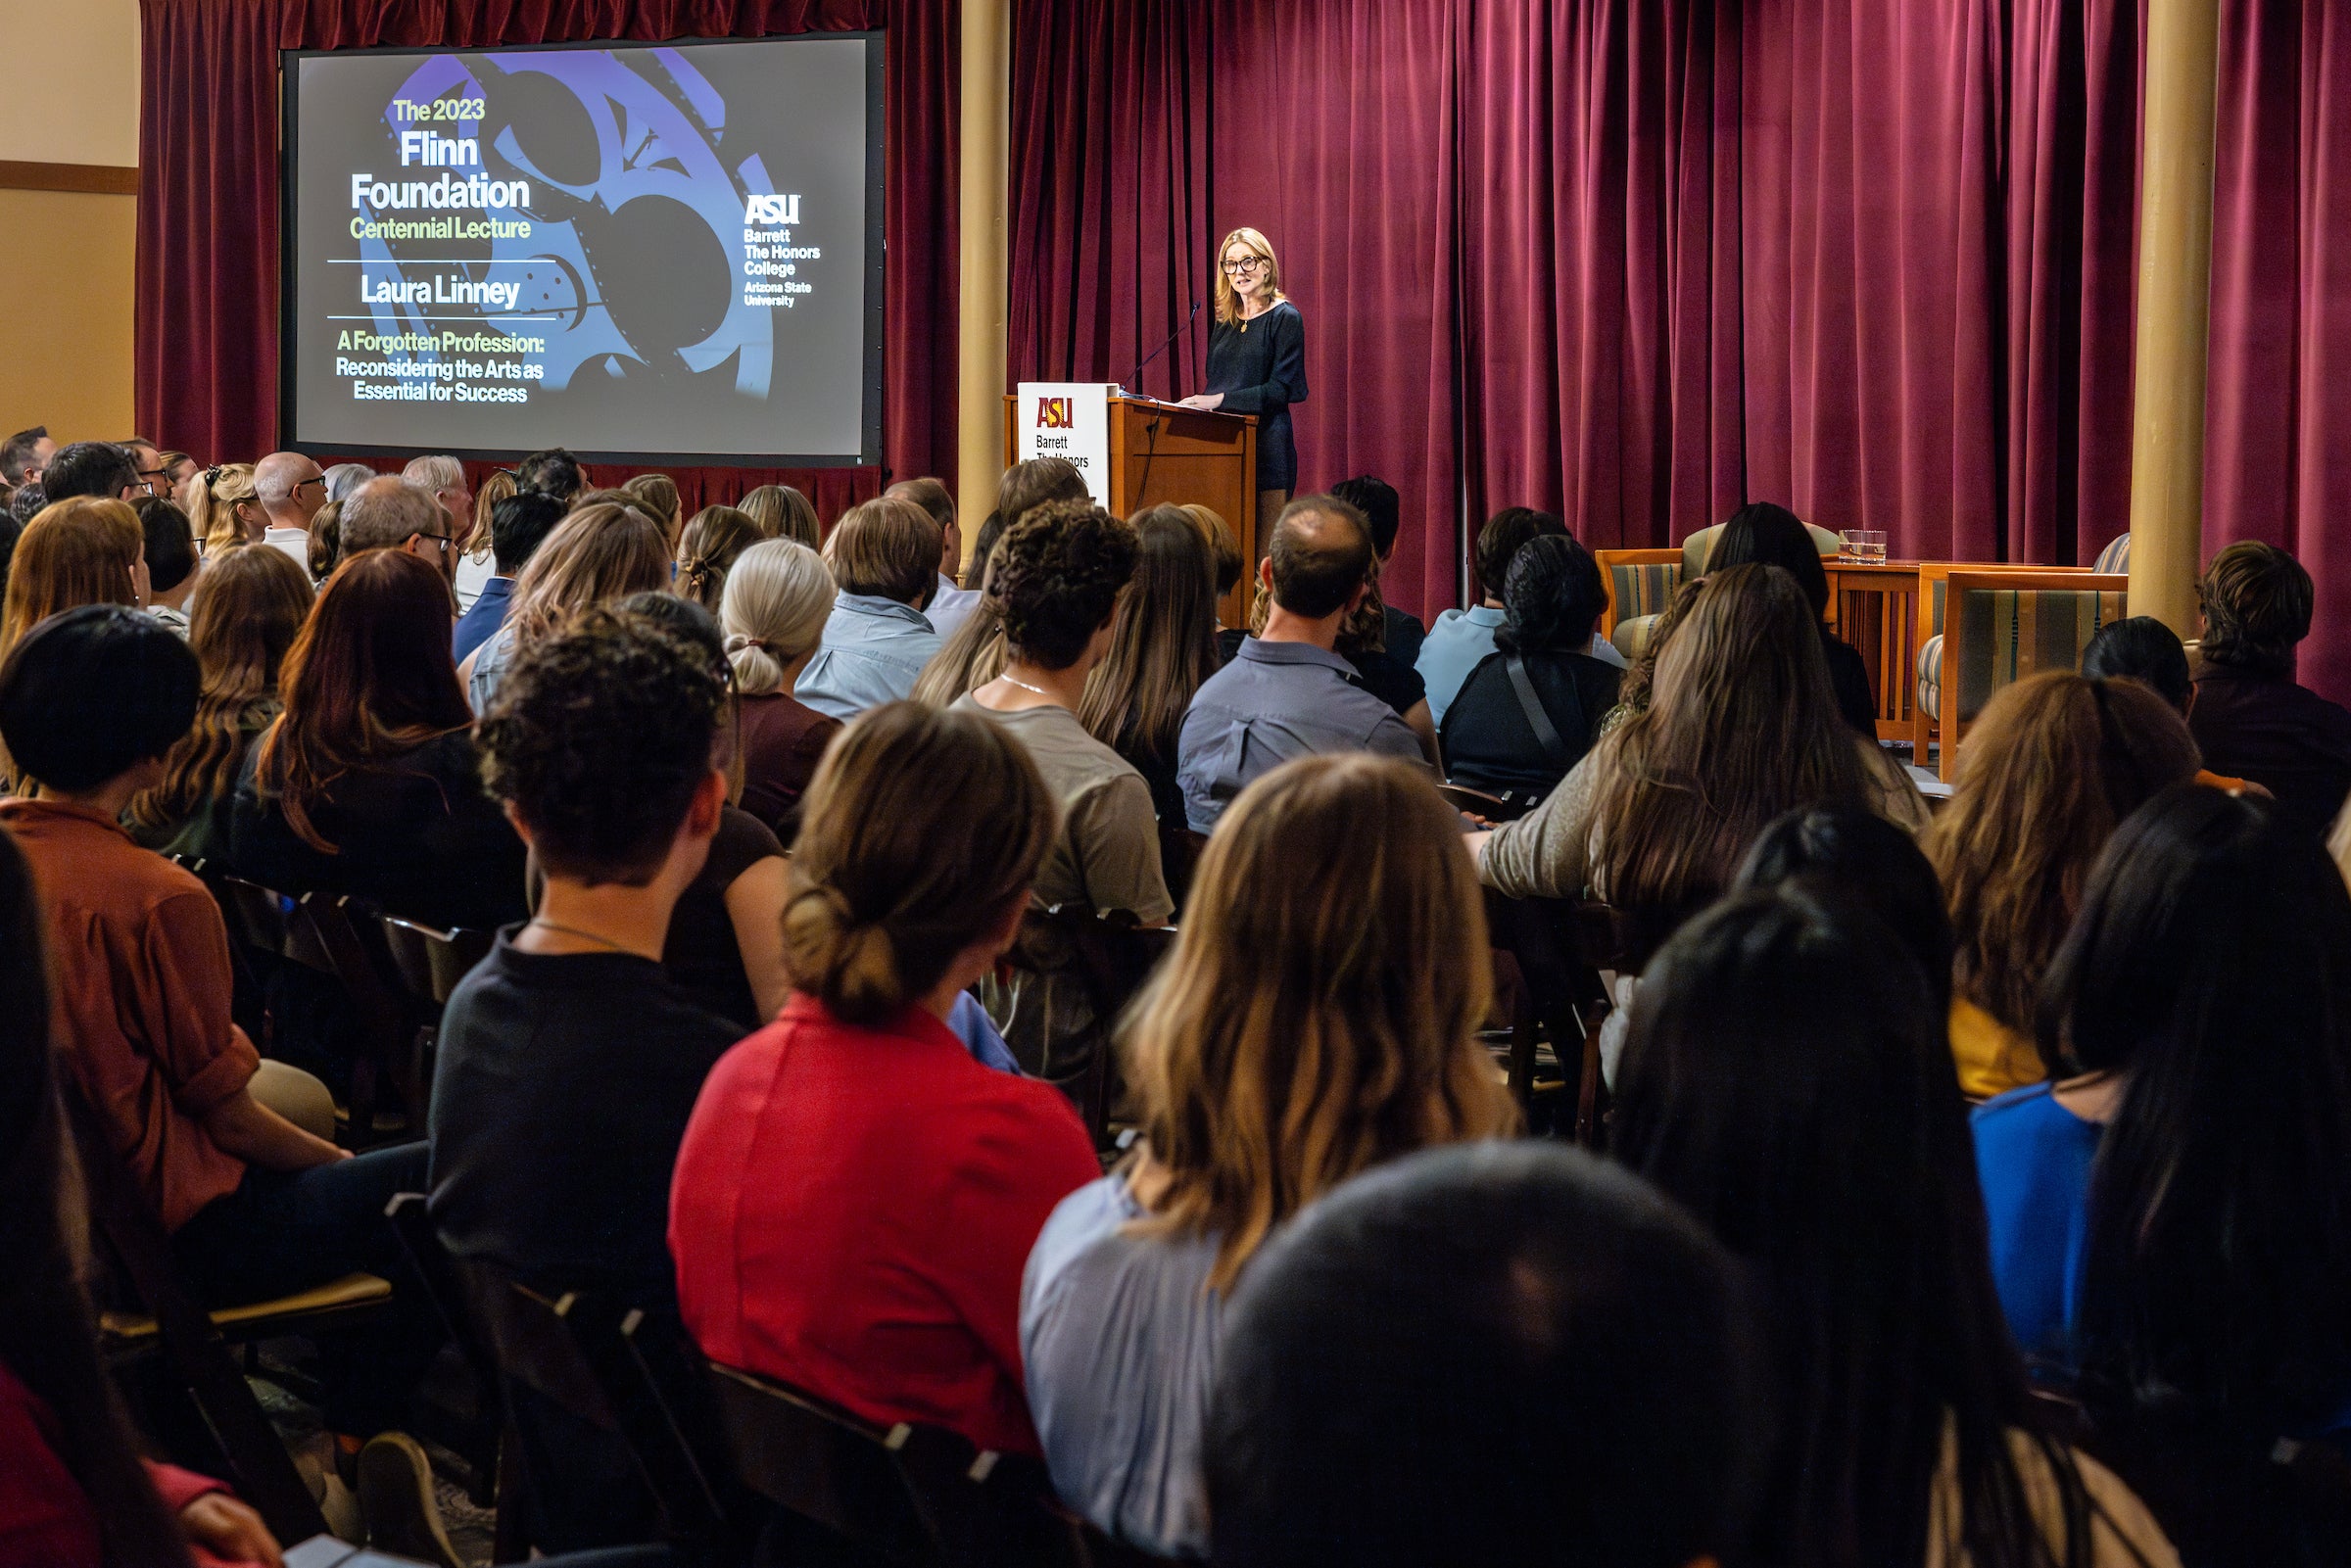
(1165, 644)
(597, 554)
(660, 493)
(892, 875)
(784, 513)
(2055, 763)
(248, 608)
(1320, 1013)
(369, 679)
(495, 489)
(82, 551)
(708, 550)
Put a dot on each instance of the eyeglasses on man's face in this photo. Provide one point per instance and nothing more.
(1243, 266)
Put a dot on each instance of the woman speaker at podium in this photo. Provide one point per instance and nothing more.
(1256, 362)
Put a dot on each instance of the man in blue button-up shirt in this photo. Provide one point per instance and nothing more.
(885, 555)
(1286, 693)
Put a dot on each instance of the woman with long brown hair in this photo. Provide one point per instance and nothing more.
(784, 513)
(2046, 773)
(600, 553)
(709, 548)
(476, 563)
(248, 609)
(86, 550)
(1318, 1016)
(369, 782)
(1163, 648)
(659, 494)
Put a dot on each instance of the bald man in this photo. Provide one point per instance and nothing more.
(291, 490)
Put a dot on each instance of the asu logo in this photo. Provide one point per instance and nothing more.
(771, 210)
(1056, 413)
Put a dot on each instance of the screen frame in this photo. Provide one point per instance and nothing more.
(873, 360)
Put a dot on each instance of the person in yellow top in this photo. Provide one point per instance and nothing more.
(2055, 763)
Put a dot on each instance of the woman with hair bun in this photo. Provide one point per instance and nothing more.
(773, 607)
(857, 1195)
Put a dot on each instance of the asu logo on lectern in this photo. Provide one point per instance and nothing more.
(1056, 413)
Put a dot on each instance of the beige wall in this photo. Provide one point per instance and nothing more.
(66, 258)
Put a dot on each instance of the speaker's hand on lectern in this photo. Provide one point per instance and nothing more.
(1204, 400)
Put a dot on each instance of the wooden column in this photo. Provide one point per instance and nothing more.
(979, 334)
(2175, 278)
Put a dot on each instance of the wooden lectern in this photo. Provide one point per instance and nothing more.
(1162, 452)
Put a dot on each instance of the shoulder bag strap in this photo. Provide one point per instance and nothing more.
(1547, 736)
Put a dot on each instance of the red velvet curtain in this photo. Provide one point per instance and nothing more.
(206, 356)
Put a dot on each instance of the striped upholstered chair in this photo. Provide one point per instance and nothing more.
(2113, 561)
(2001, 626)
(1640, 583)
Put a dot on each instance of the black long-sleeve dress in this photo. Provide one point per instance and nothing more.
(1260, 366)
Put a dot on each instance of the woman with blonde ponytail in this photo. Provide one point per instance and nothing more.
(224, 510)
(857, 1195)
(773, 611)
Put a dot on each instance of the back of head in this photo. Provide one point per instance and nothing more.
(1321, 553)
(773, 610)
(886, 548)
(1320, 1012)
(892, 875)
(91, 693)
(2053, 765)
(598, 553)
(20, 451)
(1507, 1355)
(343, 478)
(1847, 852)
(600, 738)
(659, 492)
(1498, 543)
(213, 497)
(434, 473)
(480, 536)
(386, 513)
(783, 512)
(167, 542)
(1058, 574)
(2211, 963)
(1382, 513)
(2257, 604)
(931, 495)
(2140, 648)
(80, 552)
(1222, 547)
(552, 472)
(1035, 481)
(1762, 533)
(97, 468)
(519, 524)
(1165, 644)
(708, 548)
(1552, 599)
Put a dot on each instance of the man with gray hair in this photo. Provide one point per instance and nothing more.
(445, 478)
(291, 490)
(393, 514)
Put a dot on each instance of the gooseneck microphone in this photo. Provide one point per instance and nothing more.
(1163, 348)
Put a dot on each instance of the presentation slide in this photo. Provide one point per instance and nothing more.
(640, 251)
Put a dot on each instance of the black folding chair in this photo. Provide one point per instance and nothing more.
(1558, 950)
(1109, 955)
(427, 965)
(479, 1433)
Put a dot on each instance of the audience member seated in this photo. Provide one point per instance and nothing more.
(91, 703)
(2044, 776)
(2160, 1217)
(1462, 638)
(1036, 482)
(568, 1061)
(1059, 576)
(783, 512)
(394, 514)
(250, 605)
(659, 495)
(1163, 648)
(885, 557)
(1287, 694)
(857, 1195)
(1786, 1081)
(1774, 535)
(1531, 709)
(518, 525)
(2141, 648)
(708, 550)
(25, 455)
(94, 468)
(1870, 862)
(1402, 633)
(1222, 545)
(223, 508)
(777, 600)
(343, 478)
(477, 556)
(599, 554)
(1274, 1060)
(1362, 643)
(2250, 719)
(552, 472)
(1508, 1356)
(75, 1492)
(291, 490)
(442, 478)
(169, 548)
(952, 602)
(147, 467)
(975, 655)
(369, 782)
(82, 552)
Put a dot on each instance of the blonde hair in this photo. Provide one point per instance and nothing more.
(784, 513)
(1228, 303)
(212, 506)
(710, 548)
(660, 493)
(600, 553)
(972, 655)
(495, 489)
(79, 551)
(892, 875)
(1320, 1013)
(774, 608)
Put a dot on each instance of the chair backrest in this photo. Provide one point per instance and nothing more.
(2115, 559)
(429, 963)
(1639, 581)
(1933, 582)
(2005, 626)
(1110, 956)
(264, 919)
(1700, 546)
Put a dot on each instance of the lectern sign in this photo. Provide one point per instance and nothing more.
(1067, 419)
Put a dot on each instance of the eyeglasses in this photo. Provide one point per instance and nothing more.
(315, 479)
(1247, 264)
(442, 539)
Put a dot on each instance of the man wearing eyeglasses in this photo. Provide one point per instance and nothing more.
(391, 513)
(146, 459)
(90, 468)
(291, 490)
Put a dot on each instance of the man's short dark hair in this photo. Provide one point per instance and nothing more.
(1499, 541)
(1317, 572)
(2257, 605)
(17, 452)
(171, 543)
(552, 472)
(92, 693)
(518, 523)
(1058, 573)
(599, 738)
(2143, 649)
(1507, 1354)
(1376, 499)
(89, 468)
